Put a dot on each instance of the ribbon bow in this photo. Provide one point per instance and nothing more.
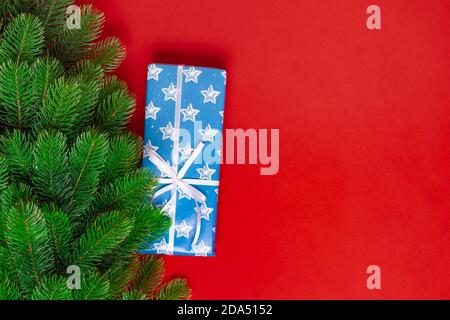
(176, 180)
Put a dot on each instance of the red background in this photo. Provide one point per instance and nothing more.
(364, 151)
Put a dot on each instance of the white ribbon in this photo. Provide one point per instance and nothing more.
(175, 179)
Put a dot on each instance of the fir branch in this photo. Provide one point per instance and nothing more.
(3, 173)
(74, 44)
(124, 156)
(52, 13)
(88, 71)
(121, 274)
(61, 233)
(46, 71)
(109, 85)
(28, 238)
(51, 176)
(88, 76)
(150, 224)
(60, 106)
(102, 237)
(17, 101)
(115, 111)
(176, 289)
(9, 8)
(149, 275)
(8, 289)
(53, 287)
(23, 39)
(14, 193)
(108, 53)
(17, 149)
(94, 287)
(86, 161)
(125, 193)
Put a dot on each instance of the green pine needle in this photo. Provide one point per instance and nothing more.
(60, 106)
(17, 101)
(61, 233)
(86, 161)
(28, 236)
(72, 45)
(18, 151)
(176, 289)
(125, 193)
(108, 53)
(23, 39)
(93, 287)
(3, 172)
(52, 13)
(149, 275)
(46, 71)
(52, 288)
(124, 156)
(102, 237)
(71, 191)
(51, 175)
(115, 111)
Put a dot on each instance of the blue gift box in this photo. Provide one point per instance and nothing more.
(183, 137)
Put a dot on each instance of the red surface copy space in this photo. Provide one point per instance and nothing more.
(364, 119)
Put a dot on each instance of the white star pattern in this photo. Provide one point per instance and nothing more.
(170, 93)
(151, 111)
(168, 208)
(201, 249)
(183, 229)
(162, 247)
(210, 95)
(208, 133)
(186, 151)
(203, 211)
(168, 132)
(148, 147)
(191, 74)
(189, 113)
(205, 172)
(153, 72)
(182, 195)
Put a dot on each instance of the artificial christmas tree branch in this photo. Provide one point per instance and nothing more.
(71, 190)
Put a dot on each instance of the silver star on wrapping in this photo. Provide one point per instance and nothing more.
(205, 172)
(201, 249)
(170, 93)
(153, 72)
(162, 247)
(168, 132)
(168, 210)
(148, 147)
(186, 151)
(192, 74)
(203, 211)
(183, 229)
(189, 113)
(210, 95)
(208, 133)
(151, 110)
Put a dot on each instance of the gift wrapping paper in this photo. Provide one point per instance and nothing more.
(182, 147)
